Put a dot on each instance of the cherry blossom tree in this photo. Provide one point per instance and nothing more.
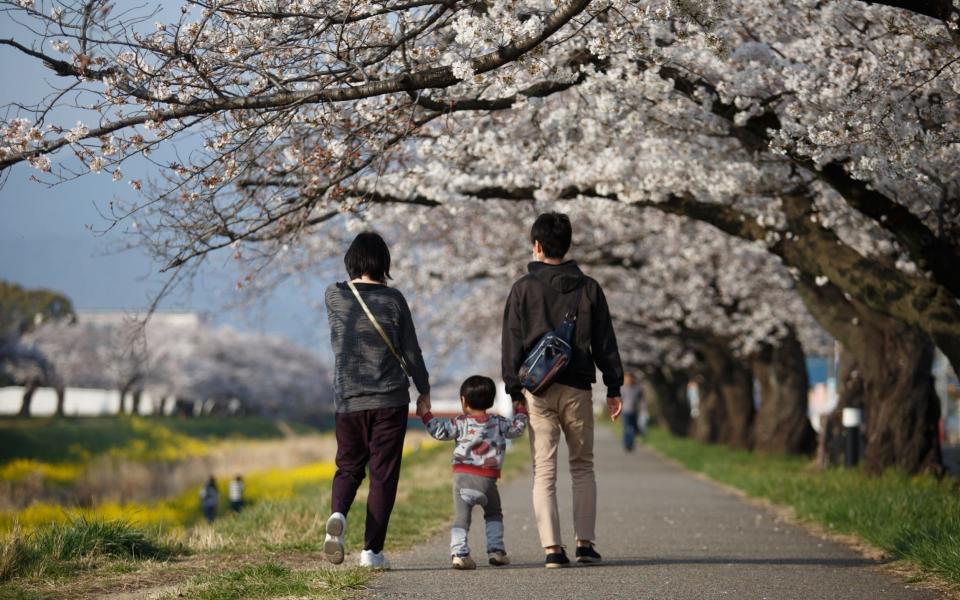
(823, 133)
(746, 124)
(263, 373)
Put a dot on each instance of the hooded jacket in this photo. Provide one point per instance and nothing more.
(537, 303)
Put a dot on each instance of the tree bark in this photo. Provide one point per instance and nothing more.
(726, 403)
(61, 399)
(886, 371)
(669, 393)
(28, 391)
(123, 399)
(782, 423)
(135, 397)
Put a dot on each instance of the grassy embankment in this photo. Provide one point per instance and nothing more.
(272, 549)
(59, 449)
(915, 519)
(72, 460)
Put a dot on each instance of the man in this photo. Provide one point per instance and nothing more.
(537, 303)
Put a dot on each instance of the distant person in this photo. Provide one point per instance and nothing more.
(236, 494)
(375, 349)
(477, 458)
(537, 304)
(210, 500)
(632, 395)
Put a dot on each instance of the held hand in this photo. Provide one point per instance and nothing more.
(614, 407)
(423, 401)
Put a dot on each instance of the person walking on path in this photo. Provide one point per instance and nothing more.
(375, 351)
(536, 304)
(235, 492)
(209, 500)
(632, 395)
(481, 445)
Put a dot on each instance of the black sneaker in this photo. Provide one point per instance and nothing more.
(556, 560)
(587, 555)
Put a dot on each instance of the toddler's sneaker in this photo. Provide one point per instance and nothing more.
(374, 560)
(498, 558)
(463, 563)
(333, 542)
(587, 555)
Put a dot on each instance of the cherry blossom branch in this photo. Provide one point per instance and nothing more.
(928, 250)
(429, 78)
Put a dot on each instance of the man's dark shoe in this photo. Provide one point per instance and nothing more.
(587, 555)
(556, 560)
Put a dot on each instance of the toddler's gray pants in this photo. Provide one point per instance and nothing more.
(469, 491)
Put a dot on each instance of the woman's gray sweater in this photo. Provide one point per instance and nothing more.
(366, 374)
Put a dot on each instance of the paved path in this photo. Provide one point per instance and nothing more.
(663, 534)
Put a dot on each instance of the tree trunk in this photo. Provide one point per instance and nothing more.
(61, 400)
(28, 391)
(135, 401)
(726, 404)
(782, 423)
(887, 373)
(669, 395)
(901, 410)
(711, 413)
(123, 399)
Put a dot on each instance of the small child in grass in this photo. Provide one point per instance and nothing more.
(481, 443)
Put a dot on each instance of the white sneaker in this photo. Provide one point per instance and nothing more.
(333, 542)
(374, 560)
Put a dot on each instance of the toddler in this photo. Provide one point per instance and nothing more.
(481, 443)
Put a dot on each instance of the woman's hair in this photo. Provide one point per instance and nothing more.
(554, 233)
(368, 255)
(479, 392)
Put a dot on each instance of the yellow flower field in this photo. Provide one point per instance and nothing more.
(183, 509)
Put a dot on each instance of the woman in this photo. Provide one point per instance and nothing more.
(209, 500)
(372, 392)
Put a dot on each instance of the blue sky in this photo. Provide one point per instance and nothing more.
(49, 237)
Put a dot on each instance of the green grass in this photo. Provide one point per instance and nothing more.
(915, 518)
(272, 580)
(62, 440)
(61, 549)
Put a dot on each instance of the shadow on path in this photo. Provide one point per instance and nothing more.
(653, 562)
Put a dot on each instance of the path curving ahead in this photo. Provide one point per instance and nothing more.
(664, 533)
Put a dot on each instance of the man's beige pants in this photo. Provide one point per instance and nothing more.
(566, 409)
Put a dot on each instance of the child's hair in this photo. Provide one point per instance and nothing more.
(554, 232)
(479, 392)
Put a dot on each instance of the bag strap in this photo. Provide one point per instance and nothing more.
(576, 307)
(376, 325)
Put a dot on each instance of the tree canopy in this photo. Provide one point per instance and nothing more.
(815, 143)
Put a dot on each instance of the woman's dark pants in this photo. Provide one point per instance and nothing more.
(209, 513)
(371, 438)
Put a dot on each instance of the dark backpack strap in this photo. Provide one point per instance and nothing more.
(576, 307)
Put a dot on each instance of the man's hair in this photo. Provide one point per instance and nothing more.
(554, 233)
(479, 392)
(368, 254)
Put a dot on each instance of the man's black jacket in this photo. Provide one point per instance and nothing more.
(537, 303)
